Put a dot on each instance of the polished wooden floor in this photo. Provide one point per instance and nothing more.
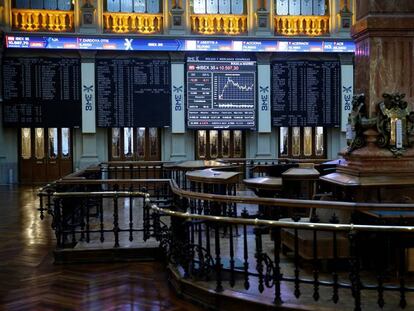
(30, 281)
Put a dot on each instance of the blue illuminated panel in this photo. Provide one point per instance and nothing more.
(165, 44)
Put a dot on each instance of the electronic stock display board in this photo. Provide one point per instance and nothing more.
(43, 92)
(221, 93)
(306, 93)
(133, 92)
(119, 43)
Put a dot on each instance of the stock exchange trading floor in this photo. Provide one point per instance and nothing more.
(29, 280)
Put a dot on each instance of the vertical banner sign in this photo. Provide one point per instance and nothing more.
(264, 111)
(199, 6)
(282, 7)
(224, 7)
(50, 5)
(36, 4)
(347, 78)
(237, 7)
(212, 6)
(318, 7)
(64, 5)
(307, 7)
(88, 98)
(126, 6)
(153, 6)
(139, 6)
(177, 102)
(294, 7)
(113, 6)
(23, 4)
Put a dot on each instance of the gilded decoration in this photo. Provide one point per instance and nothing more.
(394, 123)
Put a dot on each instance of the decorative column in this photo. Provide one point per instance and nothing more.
(345, 19)
(88, 17)
(5, 11)
(380, 157)
(89, 154)
(262, 19)
(177, 18)
(384, 37)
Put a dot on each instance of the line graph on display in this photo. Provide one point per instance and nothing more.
(235, 87)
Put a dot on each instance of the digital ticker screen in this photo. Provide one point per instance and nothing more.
(221, 93)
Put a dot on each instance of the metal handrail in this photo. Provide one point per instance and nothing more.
(306, 204)
(103, 194)
(283, 224)
(241, 221)
(287, 202)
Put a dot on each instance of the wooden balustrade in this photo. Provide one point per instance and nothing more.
(208, 24)
(302, 25)
(132, 22)
(42, 20)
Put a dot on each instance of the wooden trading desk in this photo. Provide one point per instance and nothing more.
(178, 170)
(267, 187)
(300, 182)
(210, 176)
(215, 182)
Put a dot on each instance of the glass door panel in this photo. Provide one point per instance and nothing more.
(201, 144)
(153, 143)
(141, 143)
(66, 150)
(53, 143)
(225, 138)
(296, 141)
(319, 141)
(238, 144)
(26, 144)
(39, 144)
(284, 141)
(128, 142)
(115, 143)
(214, 144)
(307, 141)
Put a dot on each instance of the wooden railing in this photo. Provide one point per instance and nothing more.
(208, 24)
(302, 25)
(132, 22)
(42, 20)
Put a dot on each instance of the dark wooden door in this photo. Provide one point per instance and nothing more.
(45, 154)
(135, 144)
(213, 144)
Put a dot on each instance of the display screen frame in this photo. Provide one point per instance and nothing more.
(166, 120)
(53, 112)
(304, 121)
(223, 57)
